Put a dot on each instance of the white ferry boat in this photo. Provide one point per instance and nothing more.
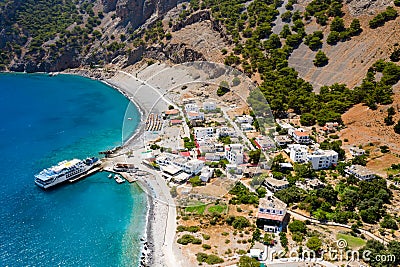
(64, 171)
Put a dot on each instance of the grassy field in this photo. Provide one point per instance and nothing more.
(352, 242)
(197, 208)
(217, 208)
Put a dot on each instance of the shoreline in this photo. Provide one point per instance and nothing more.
(158, 218)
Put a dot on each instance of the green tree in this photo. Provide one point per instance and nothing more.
(240, 222)
(307, 119)
(355, 27)
(337, 25)
(320, 59)
(297, 227)
(246, 261)
(314, 243)
(254, 156)
(389, 223)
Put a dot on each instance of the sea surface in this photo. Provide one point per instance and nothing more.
(93, 222)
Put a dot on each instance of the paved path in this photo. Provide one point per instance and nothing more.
(303, 218)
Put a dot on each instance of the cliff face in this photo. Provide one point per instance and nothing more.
(359, 7)
(136, 12)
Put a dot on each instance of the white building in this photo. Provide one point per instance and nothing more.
(355, 151)
(297, 152)
(244, 119)
(299, 136)
(246, 127)
(271, 214)
(210, 156)
(172, 162)
(193, 166)
(209, 106)
(195, 115)
(323, 159)
(275, 185)
(360, 172)
(226, 131)
(191, 108)
(234, 153)
(264, 142)
(203, 132)
(206, 174)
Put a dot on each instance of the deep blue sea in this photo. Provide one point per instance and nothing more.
(93, 222)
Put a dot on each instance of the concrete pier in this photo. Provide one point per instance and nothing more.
(86, 174)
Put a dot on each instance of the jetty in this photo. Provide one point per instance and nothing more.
(86, 174)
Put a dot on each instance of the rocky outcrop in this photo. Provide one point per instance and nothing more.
(109, 5)
(195, 17)
(69, 59)
(136, 12)
(360, 7)
(176, 53)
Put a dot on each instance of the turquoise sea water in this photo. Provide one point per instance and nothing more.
(88, 223)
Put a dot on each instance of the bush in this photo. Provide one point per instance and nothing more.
(297, 227)
(185, 239)
(206, 237)
(320, 59)
(240, 222)
(208, 258)
(206, 246)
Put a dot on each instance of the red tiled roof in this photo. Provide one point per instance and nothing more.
(185, 153)
(298, 133)
(171, 112)
(176, 121)
(268, 216)
(193, 113)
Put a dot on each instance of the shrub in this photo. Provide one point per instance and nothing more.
(320, 59)
(206, 246)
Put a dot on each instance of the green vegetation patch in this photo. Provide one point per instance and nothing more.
(217, 208)
(352, 241)
(197, 209)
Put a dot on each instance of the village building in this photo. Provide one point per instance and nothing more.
(234, 153)
(233, 169)
(264, 142)
(244, 119)
(310, 184)
(272, 214)
(175, 122)
(282, 140)
(192, 107)
(206, 174)
(275, 185)
(297, 153)
(355, 151)
(323, 159)
(213, 156)
(171, 113)
(360, 172)
(202, 132)
(246, 127)
(209, 106)
(225, 131)
(300, 136)
(195, 115)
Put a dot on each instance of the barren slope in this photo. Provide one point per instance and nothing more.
(348, 61)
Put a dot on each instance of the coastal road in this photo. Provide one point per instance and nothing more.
(303, 218)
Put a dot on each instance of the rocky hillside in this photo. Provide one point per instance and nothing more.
(349, 60)
(51, 35)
